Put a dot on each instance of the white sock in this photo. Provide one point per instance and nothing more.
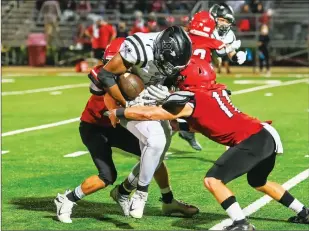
(235, 212)
(165, 190)
(79, 192)
(296, 206)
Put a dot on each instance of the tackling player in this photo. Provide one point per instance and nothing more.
(254, 145)
(99, 137)
(201, 29)
(153, 57)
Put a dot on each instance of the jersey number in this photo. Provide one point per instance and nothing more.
(223, 107)
(200, 52)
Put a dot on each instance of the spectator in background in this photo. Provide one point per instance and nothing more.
(142, 5)
(139, 23)
(83, 8)
(244, 23)
(50, 13)
(115, 5)
(159, 6)
(122, 30)
(256, 6)
(263, 48)
(69, 11)
(185, 20)
(101, 34)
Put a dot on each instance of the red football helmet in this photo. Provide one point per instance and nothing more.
(202, 24)
(112, 49)
(197, 75)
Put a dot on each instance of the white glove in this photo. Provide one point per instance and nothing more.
(158, 93)
(241, 57)
(143, 99)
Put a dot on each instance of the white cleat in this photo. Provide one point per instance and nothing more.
(64, 207)
(121, 199)
(137, 204)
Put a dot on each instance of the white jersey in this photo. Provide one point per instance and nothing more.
(227, 38)
(138, 50)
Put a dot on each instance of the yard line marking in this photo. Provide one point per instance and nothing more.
(75, 154)
(7, 80)
(268, 94)
(4, 152)
(256, 205)
(269, 86)
(250, 81)
(76, 119)
(55, 93)
(70, 86)
(11, 133)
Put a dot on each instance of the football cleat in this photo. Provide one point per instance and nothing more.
(137, 204)
(177, 206)
(240, 226)
(64, 207)
(300, 219)
(121, 199)
(190, 138)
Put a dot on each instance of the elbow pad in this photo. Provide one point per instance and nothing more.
(106, 78)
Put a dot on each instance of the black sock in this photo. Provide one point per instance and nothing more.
(142, 188)
(233, 209)
(122, 190)
(72, 196)
(167, 198)
(286, 199)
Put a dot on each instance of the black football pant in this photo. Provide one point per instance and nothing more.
(100, 140)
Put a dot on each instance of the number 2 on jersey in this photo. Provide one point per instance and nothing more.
(223, 107)
(200, 52)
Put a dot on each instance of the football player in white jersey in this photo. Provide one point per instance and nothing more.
(224, 17)
(154, 57)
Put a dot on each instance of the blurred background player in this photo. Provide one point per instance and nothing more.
(224, 17)
(263, 49)
(101, 34)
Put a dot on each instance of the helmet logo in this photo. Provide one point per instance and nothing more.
(167, 46)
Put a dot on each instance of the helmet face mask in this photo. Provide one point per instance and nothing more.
(172, 51)
(224, 16)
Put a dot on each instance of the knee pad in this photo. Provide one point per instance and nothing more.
(157, 142)
(108, 178)
(256, 181)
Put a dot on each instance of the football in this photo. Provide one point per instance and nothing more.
(130, 85)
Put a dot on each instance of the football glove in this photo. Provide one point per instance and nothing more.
(241, 57)
(143, 99)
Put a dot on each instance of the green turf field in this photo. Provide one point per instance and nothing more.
(34, 170)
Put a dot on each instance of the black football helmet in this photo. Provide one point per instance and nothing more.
(223, 10)
(172, 51)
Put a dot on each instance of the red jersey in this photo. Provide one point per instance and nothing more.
(93, 112)
(216, 118)
(101, 35)
(202, 46)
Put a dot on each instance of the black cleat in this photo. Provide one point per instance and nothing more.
(240, 226)
(300, 219)
(190, 138)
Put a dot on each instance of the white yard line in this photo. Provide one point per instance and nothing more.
(4, 152)
(256, 205)
(45, 89)
(252, 89)
(75, 154)
(76, 119)
(15, 132)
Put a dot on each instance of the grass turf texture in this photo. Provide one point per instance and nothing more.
(34, 170)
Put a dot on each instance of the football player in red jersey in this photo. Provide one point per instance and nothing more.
(99, 137)
(254, 145)
(200, 29)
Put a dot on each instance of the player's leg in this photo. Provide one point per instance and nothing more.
(190, 138)
(235, 162)
(96, 140)
(257, 178)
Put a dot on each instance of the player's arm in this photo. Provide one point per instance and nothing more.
(119, 64)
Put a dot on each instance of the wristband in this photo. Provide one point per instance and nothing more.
(120, 113)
